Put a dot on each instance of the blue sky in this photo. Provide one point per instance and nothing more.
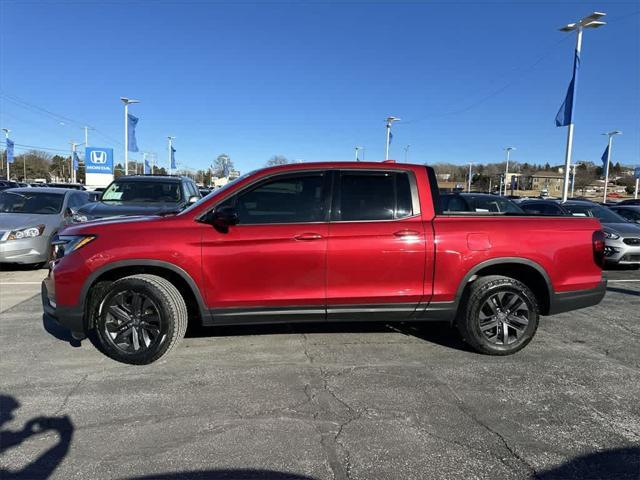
(310, 80)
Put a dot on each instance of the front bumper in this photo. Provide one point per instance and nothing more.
(68, 317)
(25, 251)
(576, 299)
(622, 253)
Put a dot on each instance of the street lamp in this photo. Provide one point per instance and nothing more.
(506, 168)
(390, 120)
(6, 137)
(606, 173)
(469, 185)
(357, 150)
(127, 102)
(590, 21)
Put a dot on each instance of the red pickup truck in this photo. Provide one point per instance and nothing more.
(321, 242)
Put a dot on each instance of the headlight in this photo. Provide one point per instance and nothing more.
(26, 233)
(66, 244)
(611, 235)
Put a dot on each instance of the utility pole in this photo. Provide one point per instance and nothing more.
(72, 169)
(390, 121)
(127, 102)
(6, 137)
(170, 138)
(469, 185)
(590, 21)
(610, 135)
(86, 134)
(573, 179)
(506, 168)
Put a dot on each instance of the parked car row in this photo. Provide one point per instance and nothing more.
(31, 217)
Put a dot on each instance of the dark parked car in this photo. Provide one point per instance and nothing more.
(4, 184)
(630, 201)
(543, 207)
(142, 195)
(630, 212)
(477, 202)
(73, 186)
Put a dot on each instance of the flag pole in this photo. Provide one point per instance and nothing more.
(569, 148)
(606, 173)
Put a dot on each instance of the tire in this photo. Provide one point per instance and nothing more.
(488, 301)
(140, 319)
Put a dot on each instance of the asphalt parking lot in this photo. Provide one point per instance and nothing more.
(350, 401)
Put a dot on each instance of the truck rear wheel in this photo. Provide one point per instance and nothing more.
(498, 316)
(141, 318)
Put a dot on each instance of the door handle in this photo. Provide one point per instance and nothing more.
(305, 237)
(406, 233)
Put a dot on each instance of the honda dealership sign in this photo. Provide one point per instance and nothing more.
(98, 163)
(99, 160)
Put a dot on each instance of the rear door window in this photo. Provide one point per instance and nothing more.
(371, 196)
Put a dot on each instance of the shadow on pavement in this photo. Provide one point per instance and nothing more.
(224, 474)
(619, 464)
(439, 333)
(625, 291)
(17, 267)
(59, 332)
(44, 465)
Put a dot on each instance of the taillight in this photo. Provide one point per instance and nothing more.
(598, 247)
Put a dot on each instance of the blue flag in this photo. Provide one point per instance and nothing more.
(76, 161)
(147, 167)
(605, 159)
(565, 114)
(9, 151)
(173, 158)
(131, 132)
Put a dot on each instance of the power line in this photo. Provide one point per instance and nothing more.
(519, 73)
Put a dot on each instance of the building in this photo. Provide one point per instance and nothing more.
(547, 180)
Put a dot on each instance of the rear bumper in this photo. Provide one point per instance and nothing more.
(68, 317)
(574, 300)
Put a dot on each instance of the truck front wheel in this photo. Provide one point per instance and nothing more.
(140, 319)
(498, 315)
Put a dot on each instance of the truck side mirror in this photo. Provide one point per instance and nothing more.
(222, 217)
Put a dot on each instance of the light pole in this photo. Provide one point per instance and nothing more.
(590, 21)
(86, 134)
(357, 150)
(506, 167)
(406, 154)
(6, 137)
(606, 173)
(573, 179)
(171, 139)
(469, 184)
(390, 120)
(127, 102)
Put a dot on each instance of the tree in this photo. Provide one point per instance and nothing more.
(277, 160)
(219, 164)
(36, 164)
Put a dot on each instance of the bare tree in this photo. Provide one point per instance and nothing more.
(277, 160)
(219, 163)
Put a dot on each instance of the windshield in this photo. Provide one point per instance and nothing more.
(601, 213)
(143, 192)
(479, 204)
(218, 191)
(41, 203)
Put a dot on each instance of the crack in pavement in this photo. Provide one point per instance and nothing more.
(73, 390)
(469, 413)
